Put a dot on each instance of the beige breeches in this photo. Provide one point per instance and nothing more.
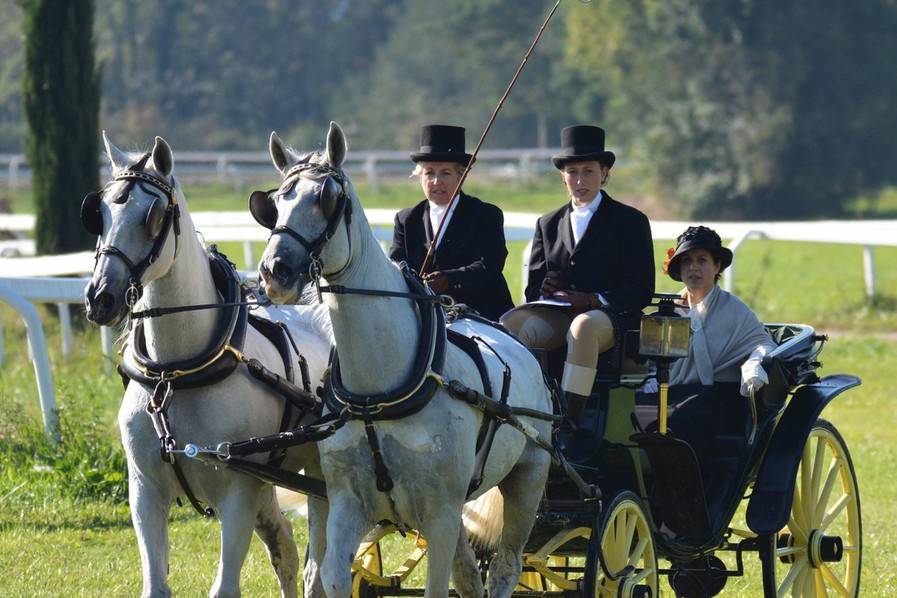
(587, 334)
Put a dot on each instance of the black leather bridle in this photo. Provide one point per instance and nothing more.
(265, 213)
(91, 218)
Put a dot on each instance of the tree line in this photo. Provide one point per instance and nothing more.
(754, 108)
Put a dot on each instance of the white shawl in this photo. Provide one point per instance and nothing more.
(728, 342)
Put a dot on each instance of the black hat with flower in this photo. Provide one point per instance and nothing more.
(697, 237)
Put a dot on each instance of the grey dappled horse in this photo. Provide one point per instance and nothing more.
(430, 455)
(130, 227)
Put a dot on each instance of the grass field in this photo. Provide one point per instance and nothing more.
(65, 528)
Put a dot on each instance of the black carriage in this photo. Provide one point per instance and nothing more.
(674, 491)
(676, 494)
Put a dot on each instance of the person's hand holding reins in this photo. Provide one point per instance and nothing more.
(437, 281)
(553, 281)
(579, 299)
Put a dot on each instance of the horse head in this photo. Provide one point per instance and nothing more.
(309, 217)
(137, 219)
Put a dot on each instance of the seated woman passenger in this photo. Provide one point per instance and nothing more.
(595, 254)
(470, 251)
(728, 342)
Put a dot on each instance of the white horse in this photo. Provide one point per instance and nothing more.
(429, 455)
(143, 239)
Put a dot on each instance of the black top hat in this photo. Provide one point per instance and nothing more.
(580, 143)
(441, 143)
(699, 237)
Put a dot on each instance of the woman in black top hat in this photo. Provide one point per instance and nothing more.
(470, 252)
(593, 253)
(728, 342)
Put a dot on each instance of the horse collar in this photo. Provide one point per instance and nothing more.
(214, 364)
(422, 382)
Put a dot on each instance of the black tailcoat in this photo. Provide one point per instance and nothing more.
(472, 252)
(614, 257)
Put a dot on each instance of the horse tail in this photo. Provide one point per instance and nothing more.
(482, 519)
(292, 501)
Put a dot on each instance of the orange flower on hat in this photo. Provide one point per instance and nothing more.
(666, 263)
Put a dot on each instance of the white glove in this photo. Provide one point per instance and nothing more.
(650, 386)
(753, 378)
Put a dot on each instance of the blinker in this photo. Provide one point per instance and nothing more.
(155, 217)
(91, 218)
(262, 208)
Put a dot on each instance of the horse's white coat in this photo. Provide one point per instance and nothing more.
(430, 455)
(234, 409)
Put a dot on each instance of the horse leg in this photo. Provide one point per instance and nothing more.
(522, 491)
(277, 534)
(150, 505)
(345, 527)
(317, 543)
(442, 531)
(237, 514)
(465, 572)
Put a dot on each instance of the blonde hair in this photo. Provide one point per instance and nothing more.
(418, 169)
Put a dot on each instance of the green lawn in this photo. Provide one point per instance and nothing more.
(59, 536)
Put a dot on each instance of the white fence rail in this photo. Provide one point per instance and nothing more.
(239, 168)
(29, 280)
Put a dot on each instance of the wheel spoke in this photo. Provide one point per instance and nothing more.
(833, 513)
(797, 589)
(638, 552)
(818, 462)
(833, 580)
(826, 493)
(799, 526)
(819, 584)
(789, 580)
(642, 575)
(806, 481)
(629, 532)
(790, 550)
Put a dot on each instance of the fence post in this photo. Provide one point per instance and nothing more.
(14, 172)
(221, 168)
(37, 350)
(370, 169)
(65, 328)
(869, 272)
(729, 273)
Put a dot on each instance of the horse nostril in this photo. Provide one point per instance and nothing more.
(282, 271)
(106, 301)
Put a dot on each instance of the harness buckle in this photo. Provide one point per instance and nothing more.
(446, 301)
(315, 269)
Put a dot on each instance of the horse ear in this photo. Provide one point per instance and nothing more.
(117, 158)
(282, 156)
(163, 161)
(336, 146)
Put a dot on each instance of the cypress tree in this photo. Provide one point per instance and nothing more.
(62, 100)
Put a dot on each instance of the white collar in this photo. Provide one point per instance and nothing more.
(592, 206)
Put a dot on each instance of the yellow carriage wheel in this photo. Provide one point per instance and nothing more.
(369, 579)
(622, 559)
(819, 552)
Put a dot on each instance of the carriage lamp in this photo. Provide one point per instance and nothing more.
(664, 336)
